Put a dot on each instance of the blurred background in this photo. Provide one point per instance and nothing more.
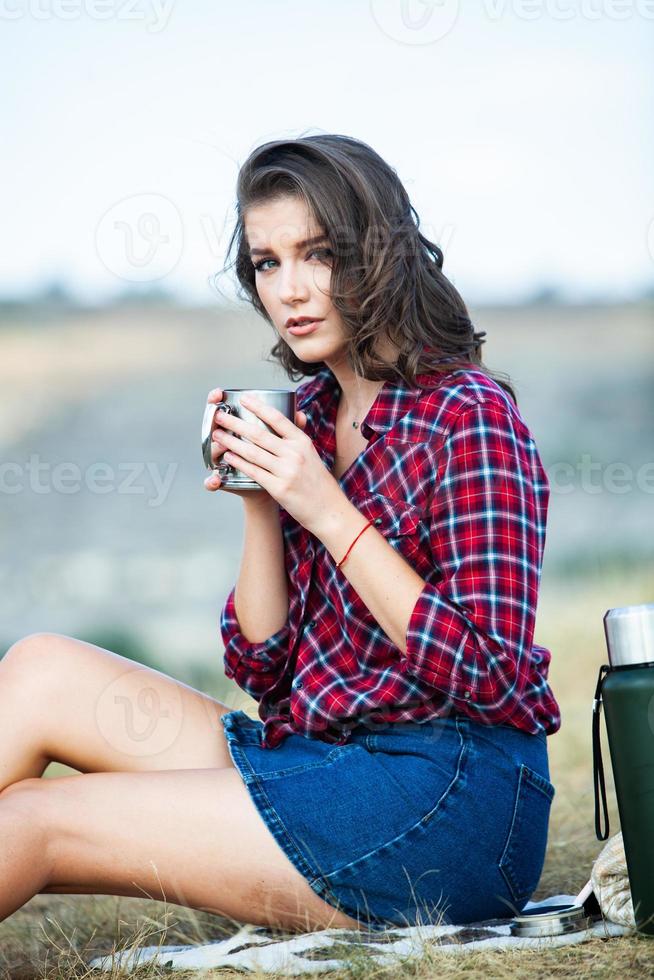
(523, 134)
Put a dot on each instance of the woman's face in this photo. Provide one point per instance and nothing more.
(292, 276)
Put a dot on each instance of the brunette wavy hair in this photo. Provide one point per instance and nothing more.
(386, 280)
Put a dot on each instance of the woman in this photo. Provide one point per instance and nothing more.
(383, 616)
(384, 611)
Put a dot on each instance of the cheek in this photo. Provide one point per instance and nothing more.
(322, 279)
(264, 293)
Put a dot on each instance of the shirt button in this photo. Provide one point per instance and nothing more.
(311, 624)
(467, 695)
(378, 521)
(299, 684)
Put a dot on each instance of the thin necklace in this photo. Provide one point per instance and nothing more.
(355, 425)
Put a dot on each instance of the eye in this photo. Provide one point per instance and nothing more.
(258, 266)
(326, 253)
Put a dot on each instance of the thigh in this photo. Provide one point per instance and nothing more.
(191, 837)
(98, 711)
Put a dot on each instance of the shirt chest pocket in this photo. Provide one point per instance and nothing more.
(399, 522)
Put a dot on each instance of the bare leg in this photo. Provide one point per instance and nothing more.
(25, 864)
(67, 700)
(190, 837)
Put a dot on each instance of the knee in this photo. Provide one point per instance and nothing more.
(33, 801)
(24, 792)
(26, 804)
(33, 649)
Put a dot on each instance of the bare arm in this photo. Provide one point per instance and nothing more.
(261, 596)
(258, 607)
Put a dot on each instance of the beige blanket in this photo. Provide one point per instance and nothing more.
(610, 883)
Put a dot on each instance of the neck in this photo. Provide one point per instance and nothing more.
(355, 405)
(357, 394)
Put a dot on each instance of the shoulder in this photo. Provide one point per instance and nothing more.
(466, 395)
(474, 424)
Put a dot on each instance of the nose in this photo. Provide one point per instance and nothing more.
(292, 284)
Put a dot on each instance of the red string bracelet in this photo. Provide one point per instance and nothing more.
(353, 543)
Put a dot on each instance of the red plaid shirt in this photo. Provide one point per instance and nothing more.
(452, 478)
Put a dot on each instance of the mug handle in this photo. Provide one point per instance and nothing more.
(208, 429)
(223, 469)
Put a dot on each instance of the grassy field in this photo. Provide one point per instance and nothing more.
(55, 936)
(130, 384)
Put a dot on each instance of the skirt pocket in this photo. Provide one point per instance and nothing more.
(523, 856)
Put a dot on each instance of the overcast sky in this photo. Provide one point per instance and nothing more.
(523, 132)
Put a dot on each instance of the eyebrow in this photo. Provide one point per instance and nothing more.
(298, 245)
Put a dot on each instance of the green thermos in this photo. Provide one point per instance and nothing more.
(626, 688)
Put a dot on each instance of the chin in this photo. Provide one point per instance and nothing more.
(307, 359)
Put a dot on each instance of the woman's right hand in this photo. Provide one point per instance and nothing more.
(213, 481)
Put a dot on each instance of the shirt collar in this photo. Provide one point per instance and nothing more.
(393, 401)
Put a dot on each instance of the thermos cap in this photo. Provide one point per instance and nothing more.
(550, 920)
(629, 634)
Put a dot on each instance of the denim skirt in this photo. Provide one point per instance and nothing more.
(443, 821)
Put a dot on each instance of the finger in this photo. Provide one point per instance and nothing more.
(248, 430)
(262, 476)
(212, 482)
(218, 437)
(238, 449)
(277, 421)
(216, 395)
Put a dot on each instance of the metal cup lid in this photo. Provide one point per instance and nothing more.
(550, 920)
(629, 632)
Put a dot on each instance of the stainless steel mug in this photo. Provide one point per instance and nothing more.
(280, 398)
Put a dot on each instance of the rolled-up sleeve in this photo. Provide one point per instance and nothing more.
(471, 630)
(254, 666)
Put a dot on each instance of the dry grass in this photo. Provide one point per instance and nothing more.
(55, 936)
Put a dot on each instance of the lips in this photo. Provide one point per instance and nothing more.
(304, 327)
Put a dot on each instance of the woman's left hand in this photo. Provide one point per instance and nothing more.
(284, 462)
